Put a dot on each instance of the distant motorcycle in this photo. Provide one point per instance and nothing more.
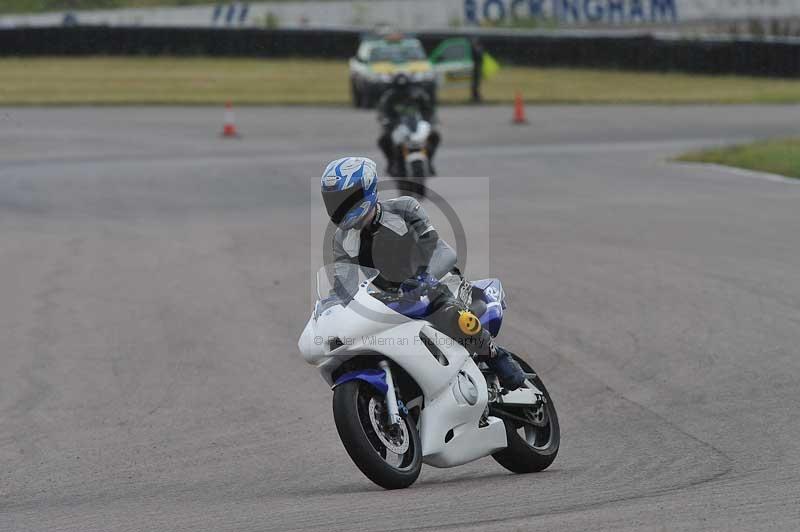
(404, 393)
(410, 141)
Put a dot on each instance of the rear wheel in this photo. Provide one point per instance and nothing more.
(391, 459)
(533, 434)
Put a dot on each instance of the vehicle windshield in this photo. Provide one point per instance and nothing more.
(340, 281)
(397, 53)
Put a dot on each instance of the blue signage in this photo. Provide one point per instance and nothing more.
(227, 14)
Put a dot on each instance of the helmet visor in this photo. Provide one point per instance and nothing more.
(339, 202)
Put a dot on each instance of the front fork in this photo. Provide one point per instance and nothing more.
(391, 397)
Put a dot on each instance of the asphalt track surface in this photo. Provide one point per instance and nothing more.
(154, 280)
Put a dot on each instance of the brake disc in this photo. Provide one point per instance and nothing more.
(397, 444)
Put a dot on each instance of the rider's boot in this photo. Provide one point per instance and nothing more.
(508, 371)
(500, 361)
(479, 341)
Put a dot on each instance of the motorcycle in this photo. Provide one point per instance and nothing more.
(405, 394)
(410, 143)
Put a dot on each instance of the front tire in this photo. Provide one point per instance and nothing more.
(359, 411)
(418, 170)
(531, 448)
(418, 175)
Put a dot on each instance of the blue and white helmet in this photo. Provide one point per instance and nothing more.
(349, 190)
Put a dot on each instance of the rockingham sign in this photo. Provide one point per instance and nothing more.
(423, 14)
(568, 12)
(621, 12)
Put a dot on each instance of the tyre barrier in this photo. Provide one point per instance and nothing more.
(643, 52)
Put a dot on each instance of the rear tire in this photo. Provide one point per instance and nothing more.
(351, 412)
(520, 456)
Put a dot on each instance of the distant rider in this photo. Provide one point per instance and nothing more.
(401, 98)
(396, 237)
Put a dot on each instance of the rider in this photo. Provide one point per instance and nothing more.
(396, 101)
(396, 237)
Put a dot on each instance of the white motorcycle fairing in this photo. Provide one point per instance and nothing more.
(454, 389)
(411, 136)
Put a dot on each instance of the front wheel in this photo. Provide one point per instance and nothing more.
(418, 169)
(418, 174)
(533, 433)
(391, 459)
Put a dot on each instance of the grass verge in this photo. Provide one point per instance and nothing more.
(776, 156)
(187, 81)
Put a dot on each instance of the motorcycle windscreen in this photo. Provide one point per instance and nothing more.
(337, 283)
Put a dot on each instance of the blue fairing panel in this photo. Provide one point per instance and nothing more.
(414, 309)
(492, 320)
(491, 292)
(374, 377)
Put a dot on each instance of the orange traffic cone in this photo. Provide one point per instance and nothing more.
(229, 127)
(519, 110)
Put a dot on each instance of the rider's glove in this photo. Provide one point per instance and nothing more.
(418, 285)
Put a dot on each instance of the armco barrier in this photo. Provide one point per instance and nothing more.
(779, 58)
